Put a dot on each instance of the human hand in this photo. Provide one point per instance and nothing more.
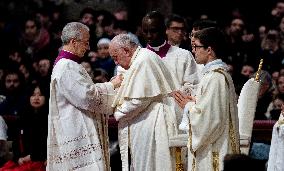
(182, 99)
(23, 160)
(116, 81)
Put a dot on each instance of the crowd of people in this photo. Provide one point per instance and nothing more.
(61, 79)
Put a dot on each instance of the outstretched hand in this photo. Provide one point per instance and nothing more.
(182, 99)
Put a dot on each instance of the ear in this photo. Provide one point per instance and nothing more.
(167, 31)
(72, 41)
(211, 51)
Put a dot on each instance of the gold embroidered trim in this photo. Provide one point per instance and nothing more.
(280, 122)
(215, 161)
(179, 165)
(232, 133)
(189, 145)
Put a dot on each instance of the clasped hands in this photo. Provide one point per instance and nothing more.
(182, 99)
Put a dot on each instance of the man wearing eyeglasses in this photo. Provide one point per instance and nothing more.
(210, 117)
(176, 32)
(179, 61)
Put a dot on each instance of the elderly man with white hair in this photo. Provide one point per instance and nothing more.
(77, 136)
(144, 107)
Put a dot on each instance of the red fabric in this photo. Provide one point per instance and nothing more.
(29, 166)
(263, 124)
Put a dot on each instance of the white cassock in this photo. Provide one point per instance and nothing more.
(76, 135)
(183, 66)
(212, 121)
(276, 153)
(146, 113)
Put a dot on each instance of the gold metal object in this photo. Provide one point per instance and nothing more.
(258, 70)
(179, 165)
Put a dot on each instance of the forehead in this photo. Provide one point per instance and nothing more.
(12, 76)
(103, 45)
(87, 15)
(112, 48)
(85, 34)
(176, 24)
(238, 22)
(195, 41)
(151, 23)
(247, 67)
(30, 23)
(44, 61)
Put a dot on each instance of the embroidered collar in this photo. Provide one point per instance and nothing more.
(218, 63)
(67, 55)
(160, 50)
(135, 55)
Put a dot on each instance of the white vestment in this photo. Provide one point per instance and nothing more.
(276, 153)
(77, 137)
(212, 121)
(146, 113)
(183, 66)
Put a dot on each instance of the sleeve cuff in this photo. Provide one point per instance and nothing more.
(110, 88)
(118, 115)
(188, 107)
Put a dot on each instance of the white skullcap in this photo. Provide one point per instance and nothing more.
(103, 41)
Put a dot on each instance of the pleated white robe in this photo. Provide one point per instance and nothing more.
(146, 113)
(212, 122)
(77, 138)
(276, 153)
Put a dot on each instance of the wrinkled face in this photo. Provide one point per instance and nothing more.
(30, 28)
(200, 52)
(37, 100)
(247, 70)
(88, 19)
(152, 32)
(12, 81)
(103, 50)
(121, 56)
(81, 46)
(43, 66)
(176, 32)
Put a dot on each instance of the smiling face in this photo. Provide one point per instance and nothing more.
(82, 45)
(37, 99)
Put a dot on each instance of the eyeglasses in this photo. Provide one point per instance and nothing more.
(197, 46)
(177, 29)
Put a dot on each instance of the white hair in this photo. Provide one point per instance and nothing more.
(73, 30)
(124, 40)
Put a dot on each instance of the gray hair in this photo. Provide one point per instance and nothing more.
(124, 40)
(73, 30)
